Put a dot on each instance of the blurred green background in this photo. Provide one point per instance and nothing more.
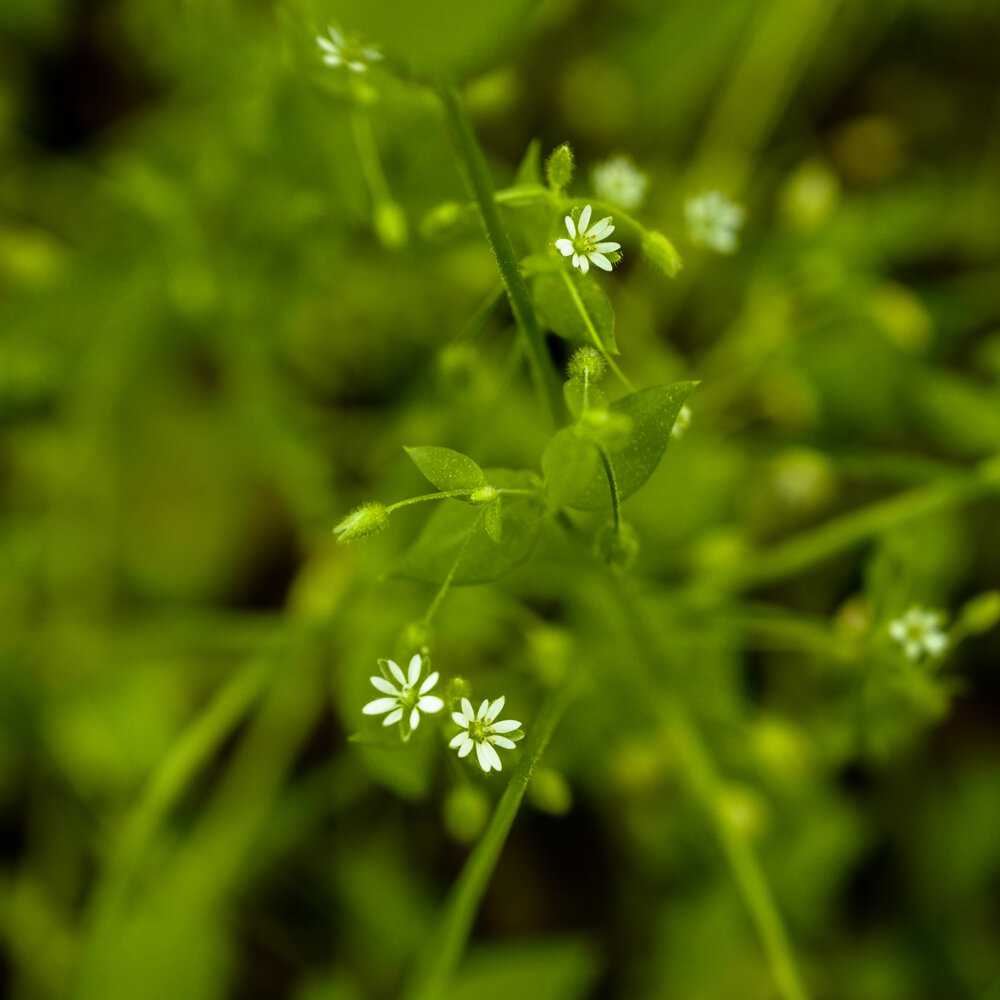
(209, 353)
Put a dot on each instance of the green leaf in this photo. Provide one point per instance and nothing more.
(457, 532)
(530, 169)
(447, 469)
(573, 392)
(574, 475)
(575, 307)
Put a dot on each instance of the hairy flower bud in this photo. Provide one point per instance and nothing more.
(368, 519)
(587, 362)
(559, 167)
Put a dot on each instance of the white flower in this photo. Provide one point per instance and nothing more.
(620, 181)
(584, 244)
(482, 731)
(407, 699)
(919, 632)
(713, 221)
(341, 50)
(682, 423)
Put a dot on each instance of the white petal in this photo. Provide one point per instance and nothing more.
(332, 60)
(464, 749)
(357, 67)
(481, 714)
(414, 719)
(484, 761)
(502, 741)
(414, 673)
(564, 246)
(396, 672)
(460, 720)
(384, 686)
(492, 756)
(380, 705)
(505, 726)
(570, 227)
(576, 260)
(457, 740)
(913, 650)
(429, 683)
(935, 642)
(605, 247)
(327, 45)
(429, 703)
(600, 260)
(584, 219)
(584, 265)
(392, 717)
(467, 711)
(335, 34)
(897, 630)
(495, 708)
(373, 54)
(601, 229)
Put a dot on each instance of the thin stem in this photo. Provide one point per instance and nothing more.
(848, 530)
(371, 163)
(705, 784)
(480, 185)
(443, 589)
(444, 495)
(433, 973)
(616, 497)
(592, 330)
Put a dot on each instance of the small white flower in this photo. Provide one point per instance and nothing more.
(682, 423)
(584, 244)
(342, 50)
(620, 181)
(482, 731)
(713, 221)
(407, 699)
(919, 632)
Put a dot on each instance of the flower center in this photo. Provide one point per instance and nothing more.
(479, 729)
(583, 244)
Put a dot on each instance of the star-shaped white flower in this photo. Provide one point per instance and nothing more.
(584, 245)
(482, 731)
(919, 632)
(341, 50)
(407, 699)
(713, 221)
(620, 181)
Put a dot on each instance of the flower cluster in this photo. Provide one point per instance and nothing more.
(919, 633)
(713, 221)
(585, 244)
(618, 180)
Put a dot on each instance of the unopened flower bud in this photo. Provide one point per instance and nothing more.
(390, 225)
(559, 167)
(661, 252)
(483, 495)
(368, 519)
(465, 812)
(587, 362)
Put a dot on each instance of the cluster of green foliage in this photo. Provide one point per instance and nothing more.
(236, 281)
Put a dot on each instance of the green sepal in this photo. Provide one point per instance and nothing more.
(493, 521)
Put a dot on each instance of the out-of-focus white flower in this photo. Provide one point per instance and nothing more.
(619, 180)
(584, 244)
(919, 632)
(407, 699)
(482, 731)
(682, 423)
(342, 50)
(713, 221)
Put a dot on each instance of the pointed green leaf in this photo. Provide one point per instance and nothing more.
(574, 475)
(447, 469)
(575, 307)
(457, 532)
(530, 169)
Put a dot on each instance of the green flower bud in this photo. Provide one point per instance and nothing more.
(457, 689)
(617, 549)
(587, 362)
(981, 613)
(443, 221)
(549, 792)
(465, 812)
(483, 495)
(661, 252)
(415, 638)
(368, 519)
(559, 167)
(390, 225)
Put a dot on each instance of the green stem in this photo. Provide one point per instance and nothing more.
(706, 785)
(444, 495)
(371, 164)
(439, 958)
(592, 330)
(443, 589)
(480, 185)
(616, 497)
(848, 530)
